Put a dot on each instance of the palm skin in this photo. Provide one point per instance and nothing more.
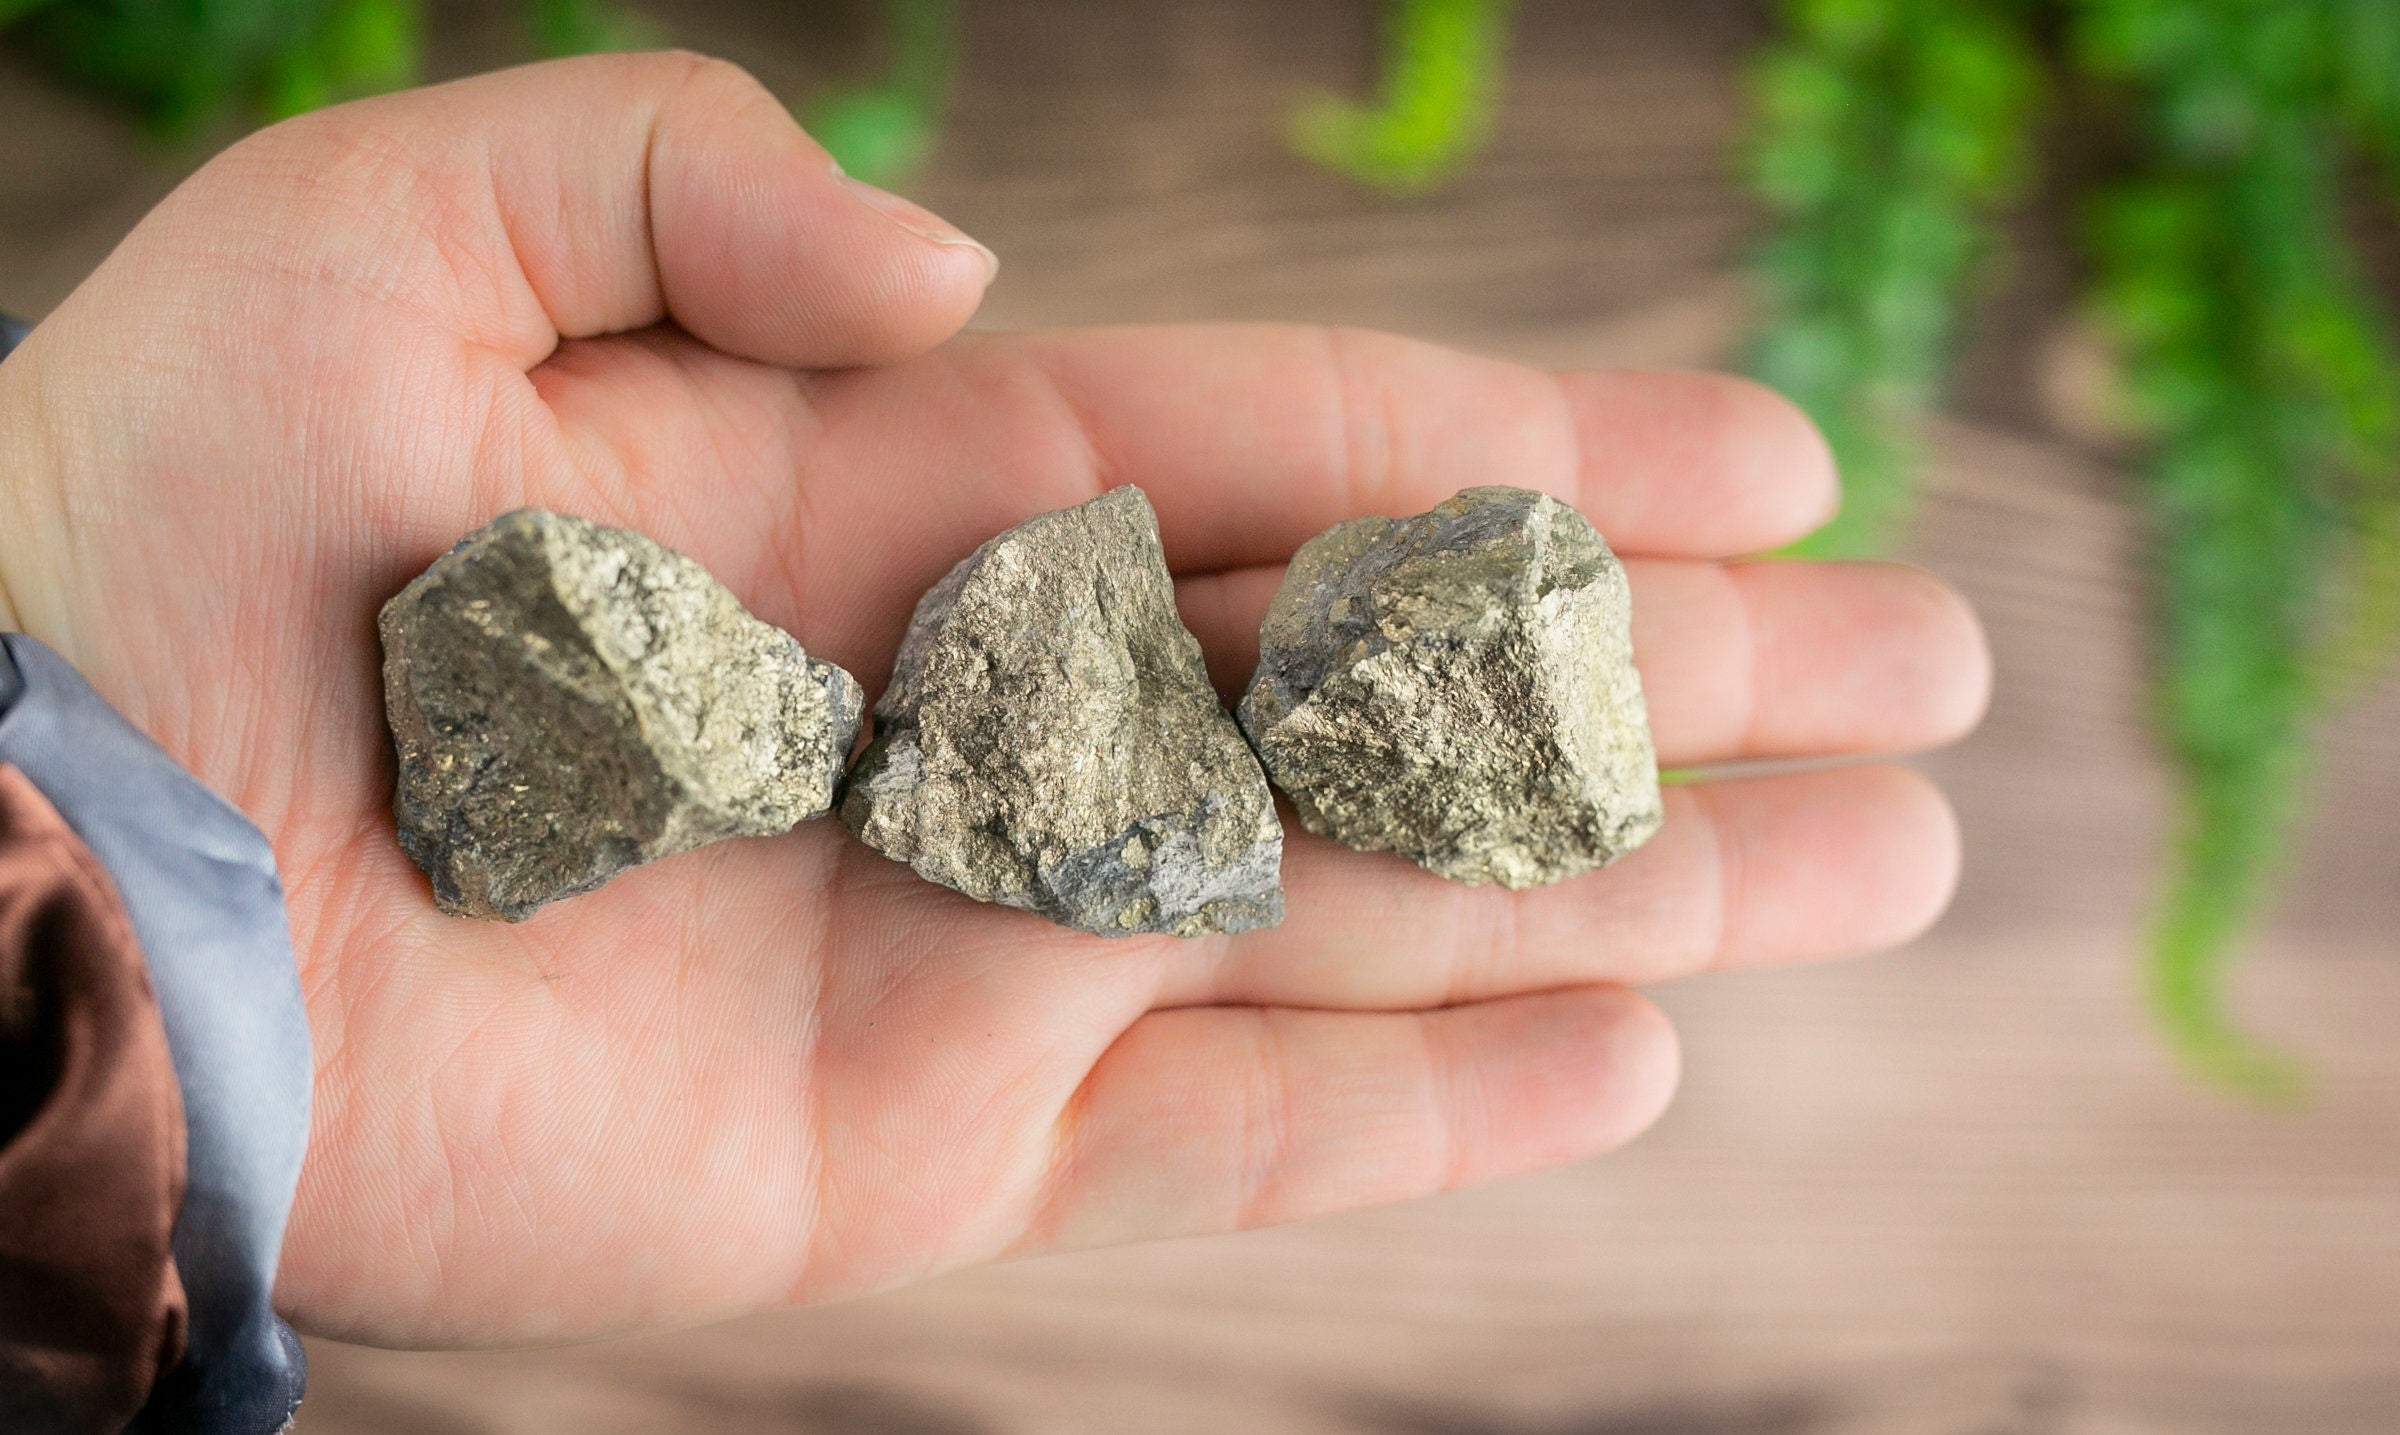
(787, 1069)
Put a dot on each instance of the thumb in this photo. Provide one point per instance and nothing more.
(603, 194)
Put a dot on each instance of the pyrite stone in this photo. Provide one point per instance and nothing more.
(571, 700)
(1458, 687)
(1050, 740)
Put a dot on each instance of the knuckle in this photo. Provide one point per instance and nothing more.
(712, 89)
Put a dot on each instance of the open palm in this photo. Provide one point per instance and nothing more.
(788, 1069)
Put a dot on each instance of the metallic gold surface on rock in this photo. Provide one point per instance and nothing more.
(571, 700)
(1050, 740)
(1459, 688)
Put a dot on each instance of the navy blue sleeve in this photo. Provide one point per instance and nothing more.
(12, 334)
(200, 888)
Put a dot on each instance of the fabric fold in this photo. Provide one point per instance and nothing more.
(91, 1141)
(199, 887)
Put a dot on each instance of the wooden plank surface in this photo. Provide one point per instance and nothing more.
(1955, 1191)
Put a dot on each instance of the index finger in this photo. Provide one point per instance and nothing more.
(1251, 439)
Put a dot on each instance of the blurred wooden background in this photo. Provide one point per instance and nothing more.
(1953, 1192)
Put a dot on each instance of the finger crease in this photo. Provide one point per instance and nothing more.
(1101, 472)
(1730, 876)
(1064, 1164)
(1366, 453)
(1746, 642)
(1450, 1101)
(1266, 1127)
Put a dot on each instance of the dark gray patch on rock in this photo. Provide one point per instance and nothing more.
(1459, 688)
(570, 700)
(1050, 740)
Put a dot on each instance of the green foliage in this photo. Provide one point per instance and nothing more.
(1441, 82)
(2237, 558)
(189, 63)
(882, 131)
(584, 27)
(2263, 374)
(2271, 388)
(362, 47)
(1889, 130)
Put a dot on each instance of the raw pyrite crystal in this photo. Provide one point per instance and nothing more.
(1050, 740)
(1458, 688)
(571, 700)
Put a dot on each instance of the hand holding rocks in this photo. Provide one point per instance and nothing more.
(628, 288)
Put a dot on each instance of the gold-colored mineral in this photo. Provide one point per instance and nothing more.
(570, 700)
(1050, 740)
(1458, 687)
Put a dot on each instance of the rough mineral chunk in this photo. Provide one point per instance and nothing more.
(1050, 740)
(571, 700)
(1458, 688)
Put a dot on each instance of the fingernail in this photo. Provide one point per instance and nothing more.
(919, 221)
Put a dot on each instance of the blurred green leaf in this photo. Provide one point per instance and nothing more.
(881, 132)
(879, 135)
(1441, 82)
(585, 27)
(2271, 387)
(187, 64)
(2256, 362)
(1890, 130)
(362, 47)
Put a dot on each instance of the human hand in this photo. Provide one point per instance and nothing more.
(788, 1069)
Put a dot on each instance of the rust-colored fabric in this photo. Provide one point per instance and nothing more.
(91, 1141)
